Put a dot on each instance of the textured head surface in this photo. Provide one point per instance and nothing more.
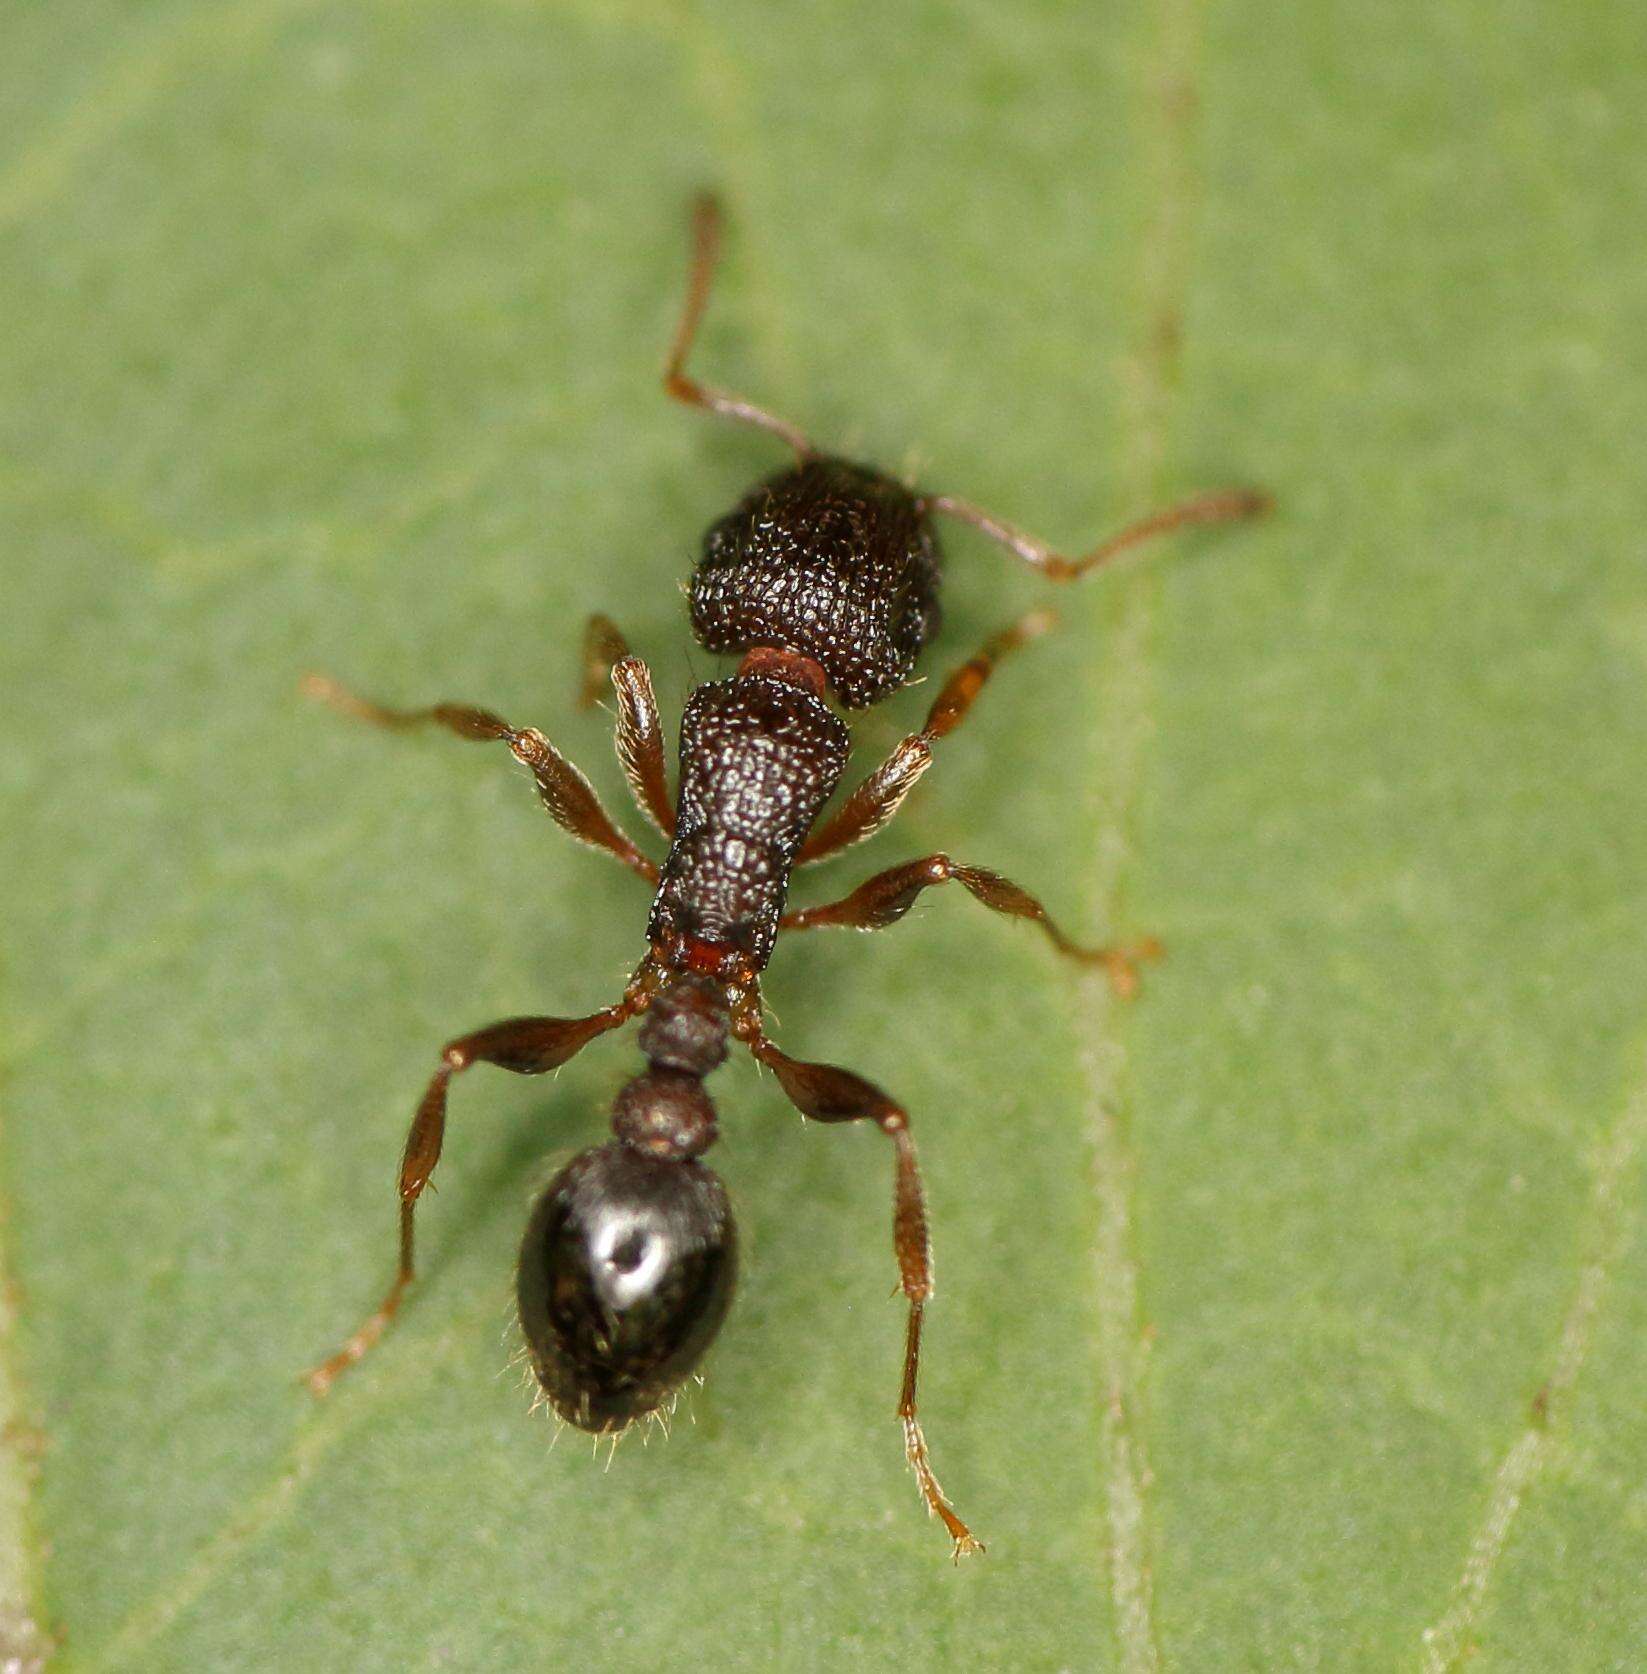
(831, 559)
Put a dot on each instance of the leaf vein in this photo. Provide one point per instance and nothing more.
(1168, 104)
(1608, 1226)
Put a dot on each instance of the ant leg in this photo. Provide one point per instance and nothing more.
(640, 743)
(873, 803)
(827, 1094)
(603, 645)
(1227, 505)
(959, 692)
(562, 789)
(886, 897)
(640, 731)
(526, 1045)
(706, 241)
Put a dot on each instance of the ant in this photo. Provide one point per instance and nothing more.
(825, 580)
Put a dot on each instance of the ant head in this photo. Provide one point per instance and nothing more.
(626, 1273)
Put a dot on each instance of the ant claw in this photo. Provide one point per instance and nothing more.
(1122, 964)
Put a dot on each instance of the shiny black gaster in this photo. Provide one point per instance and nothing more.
(626, 1273)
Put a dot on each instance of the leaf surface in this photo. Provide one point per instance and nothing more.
(1291, 1317)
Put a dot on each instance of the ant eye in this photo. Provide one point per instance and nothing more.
(626, 1273)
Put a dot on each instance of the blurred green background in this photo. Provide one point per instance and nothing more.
(1292, 1317)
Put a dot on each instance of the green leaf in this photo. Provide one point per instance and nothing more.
(1291, 1317)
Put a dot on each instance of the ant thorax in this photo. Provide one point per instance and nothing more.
(759, 758)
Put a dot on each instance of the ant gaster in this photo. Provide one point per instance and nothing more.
(825, 579)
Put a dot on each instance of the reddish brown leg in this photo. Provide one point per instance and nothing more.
(1226, 505)
(706, 240)
(886, 897)
(828, 1094)
(603, 645)
(640, 730)
(526, 1045)
(873, 803)
(958, 693)
(562, 789)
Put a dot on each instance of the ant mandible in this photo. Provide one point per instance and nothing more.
(825, 579)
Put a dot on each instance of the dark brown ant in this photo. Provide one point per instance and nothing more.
(825, 579)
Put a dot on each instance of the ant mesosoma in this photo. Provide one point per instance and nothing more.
(825, 579)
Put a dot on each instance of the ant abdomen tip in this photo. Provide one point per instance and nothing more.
(626, 1272)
